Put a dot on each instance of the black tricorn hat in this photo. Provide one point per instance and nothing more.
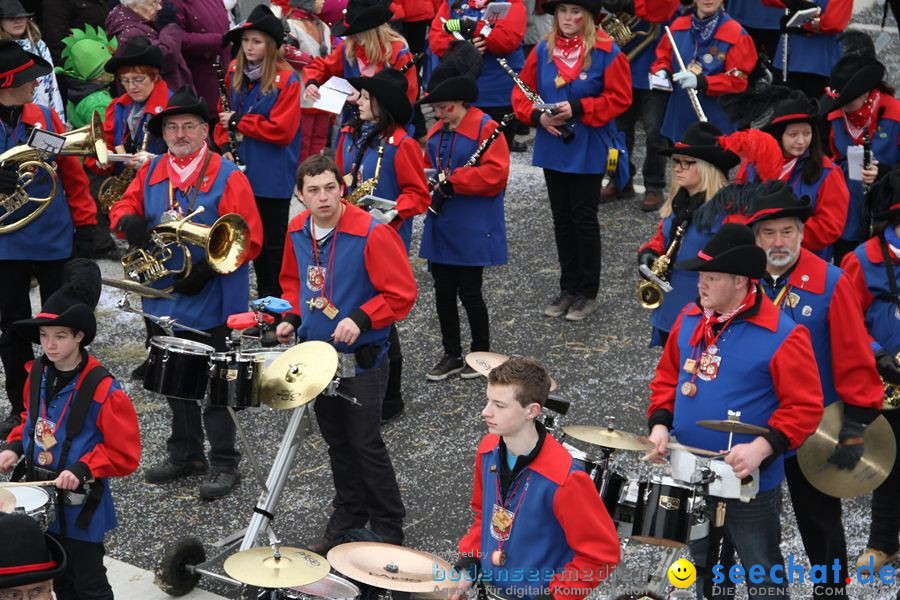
(852, 76)
(72, 305)
(30, 556)
(456, 76)
(780, 202)
(182, 102)
(592, 6)
(261, 19)
(389, 88)
(11, 9)
(18, 67)
(138, 52)
(731, 250)
(700, 141)
(363, 15)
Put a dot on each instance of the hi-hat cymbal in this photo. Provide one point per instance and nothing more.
(299, 375)
(880, 450)
(484, 363)
(390, 567)
(137, 288)
(733, 426)
(292, 568)
(7, 501)
(607, 437)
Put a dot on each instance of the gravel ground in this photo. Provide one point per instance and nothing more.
(601, 364)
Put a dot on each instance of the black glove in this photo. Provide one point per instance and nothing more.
(646, 257)
(465, 26)
(9, 179)
(851, 447)
(444, 188)
(166, 15)
(193, 284)
(887, 367)
(83, 241)
(134, 226)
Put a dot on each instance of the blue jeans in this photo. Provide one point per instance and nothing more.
(753, 529)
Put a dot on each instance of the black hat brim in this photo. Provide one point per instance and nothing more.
(151, 57)
(864, 80)
(154, 125)
(40, 68)
(270, 26)
(592, 6)
(455, 88)
(799, 212)
(79, 317)
(56, 553)
(723, 160)
(390, 97)
(366, 19)
(749, 261)
(773, 127)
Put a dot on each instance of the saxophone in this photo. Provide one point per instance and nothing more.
(368, 186)
(650, 294)
(114, 186)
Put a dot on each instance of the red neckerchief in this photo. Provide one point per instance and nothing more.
(704, 326)
(183, 171)
(862, 121)
(568, 56)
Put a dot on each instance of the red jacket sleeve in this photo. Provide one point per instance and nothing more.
(470, 543)
(615, 98)
(324, 68)
(797, 386)
(75, 183)
(283, 121)
(835, 17)
(235, 200)
(438, 39)
(508, 32)
(522, 106)
(655, 11)
(132, 201)
(664, 59)
(826, 224)
(589, 532)
(657, 243)
(855, 378)
(853, 272)
(120, 451)
(739, 63)
(489, 176)
(289, 279)
(662, 388)
(398, 61)
(414, 196)
(391, 275)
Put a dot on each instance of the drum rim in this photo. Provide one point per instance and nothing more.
(30, 489)
(181, 345)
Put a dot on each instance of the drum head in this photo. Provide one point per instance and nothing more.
(29, 498)
(174, 344)
(331, 587)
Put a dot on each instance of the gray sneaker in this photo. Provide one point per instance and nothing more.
(469, 373)
(581, 308)
(559, 305)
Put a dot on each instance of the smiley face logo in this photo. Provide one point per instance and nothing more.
(682, 573)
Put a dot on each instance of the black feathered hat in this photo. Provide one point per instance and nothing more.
(731, 250)
(30, 556)
(363, 15)
(182, 102)
(18, 67)
(72, 305)
(700, 141)
(456, 76)
(389, 88)
(138, 52)
(780, 202)
(261, 19)
(858, 71)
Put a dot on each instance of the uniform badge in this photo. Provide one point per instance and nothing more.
(690, 366)
(582, 76)
(43, 434)
(707, 58)
(709, 366)
(793, 300)
(315, 278)
(695, 68)
(688, 388)
(807, 310)
(501, 523)
(559, 81)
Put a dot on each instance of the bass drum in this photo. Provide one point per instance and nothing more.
(235, 380)
(178, 368)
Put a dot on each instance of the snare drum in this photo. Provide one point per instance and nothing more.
(663, 513)
(331, 587)
(35, 502)
(178, 368)
(234, 380)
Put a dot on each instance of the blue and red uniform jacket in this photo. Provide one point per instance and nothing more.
(662, 12)
(224, 189)
(504, 41)
(365, 274)
(885, 138)
(767, 372)
(471, 229)
(865, 269)
(598, 95)
(828, 197)
(108, 445)
(49, 236)
(727, 59)
(755, 14)
(561, 536)
(270, 126)
(815, 51)
(402, 175)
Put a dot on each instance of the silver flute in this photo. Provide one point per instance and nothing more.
(692, 94)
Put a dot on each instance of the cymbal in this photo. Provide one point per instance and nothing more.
(390, 567)
(298, 375)
(137, 288)
(733, 426)
(873, 468)
(607, 437)
(484, 363)
(260, 567)
(693, 450)
(7, 501)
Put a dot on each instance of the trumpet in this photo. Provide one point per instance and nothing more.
(650, 292)
(226, 243)
(621, 27)
(368, 186)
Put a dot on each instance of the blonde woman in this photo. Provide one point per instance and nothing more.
(699, 170)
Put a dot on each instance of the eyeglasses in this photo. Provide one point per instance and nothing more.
(37, 593)
(174, 128)
(133, 81)
(682, 163)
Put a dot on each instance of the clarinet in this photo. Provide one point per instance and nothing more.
(416, 59)
(867, 157)
(568, 134)
(438, 202)
(226, 107)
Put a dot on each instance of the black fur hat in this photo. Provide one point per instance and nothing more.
(456, 76)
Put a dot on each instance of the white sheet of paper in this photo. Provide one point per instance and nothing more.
(802, 17)
(496, 11)
(120, 157)
(333, 95)
(660, 83)
(854, 162)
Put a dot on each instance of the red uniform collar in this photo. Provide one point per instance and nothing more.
(873, 251)
(34, 116)
(813, 268)
(354, 221)
(469, 126)
(766, 317)
(156, 101)
(161, 171)
(553, 461)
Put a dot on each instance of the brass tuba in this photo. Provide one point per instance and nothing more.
(85, 141)
(621, 28)
(226, 243)
(891, 392)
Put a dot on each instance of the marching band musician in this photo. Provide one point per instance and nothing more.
(874, 268)
(349, 280)
(501, 39)
(699, 169)
(265, 116)
(718, 56)
(581, 70)
(545, 514)
(167, 188)
(734, 350)
(822, 298)
(39, 248)
(469, 232)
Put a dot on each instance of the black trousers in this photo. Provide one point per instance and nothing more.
(393, 395)
(450, 282)
(274, 215)
(574, 198)
(85, 575)
(15, 304)
(766, 41)
(819, 521)
(885, 506)
(365, 483)
(497, 113)
(647, 106)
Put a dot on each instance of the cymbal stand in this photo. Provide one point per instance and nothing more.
(167, 323)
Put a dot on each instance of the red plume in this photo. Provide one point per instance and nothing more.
(756, 148)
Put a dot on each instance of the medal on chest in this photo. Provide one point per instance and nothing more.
(315, 278)
(793, 299)
(709, 364)
(559, 81)
(45, 458)
(501, 522)
(695, 68)
(43, 432)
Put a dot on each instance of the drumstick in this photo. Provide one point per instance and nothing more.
(48, 483)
